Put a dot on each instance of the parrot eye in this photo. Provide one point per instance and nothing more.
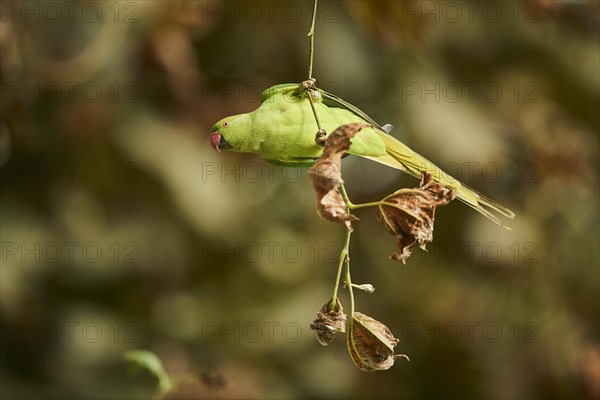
(225, 124)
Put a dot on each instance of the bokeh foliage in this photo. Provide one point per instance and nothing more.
(218, 262)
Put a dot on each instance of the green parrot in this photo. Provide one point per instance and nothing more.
(282, 131)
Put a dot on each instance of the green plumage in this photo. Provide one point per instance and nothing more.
(282, 131)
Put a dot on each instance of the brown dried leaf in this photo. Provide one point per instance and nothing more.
(326, 174)
(411, 214)
(371, 344)
(329, 322)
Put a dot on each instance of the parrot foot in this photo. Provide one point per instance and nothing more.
(320, 137)
(308, 85)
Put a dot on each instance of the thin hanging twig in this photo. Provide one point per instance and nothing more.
(311, 37)
(308, 85)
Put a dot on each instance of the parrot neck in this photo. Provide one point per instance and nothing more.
(247, 140)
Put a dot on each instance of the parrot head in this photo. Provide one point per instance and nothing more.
(229, 133)
(217, 135)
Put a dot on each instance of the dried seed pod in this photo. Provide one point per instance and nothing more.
(409, 214)
(330, 320)
(371, 344)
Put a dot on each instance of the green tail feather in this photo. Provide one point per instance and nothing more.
(402, 157)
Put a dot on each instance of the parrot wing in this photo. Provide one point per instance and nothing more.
(290, 89)
(401, 157)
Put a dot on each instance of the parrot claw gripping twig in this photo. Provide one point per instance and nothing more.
(320, 137)
(308, 84)
(309, 87)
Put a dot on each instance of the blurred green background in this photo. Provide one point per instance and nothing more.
(122, 228)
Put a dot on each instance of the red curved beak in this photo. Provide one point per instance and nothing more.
(215, 138)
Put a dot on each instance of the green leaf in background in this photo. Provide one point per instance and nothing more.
(150, 361)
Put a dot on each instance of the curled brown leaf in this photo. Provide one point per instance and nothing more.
(330, 320)
(409, 214)
(326, 174)
(371, 344)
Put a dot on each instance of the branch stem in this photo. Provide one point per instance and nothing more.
(314, 110)
(353, 206)
(344, 254)
(344, 258)
(350, 288)
(311, 37)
